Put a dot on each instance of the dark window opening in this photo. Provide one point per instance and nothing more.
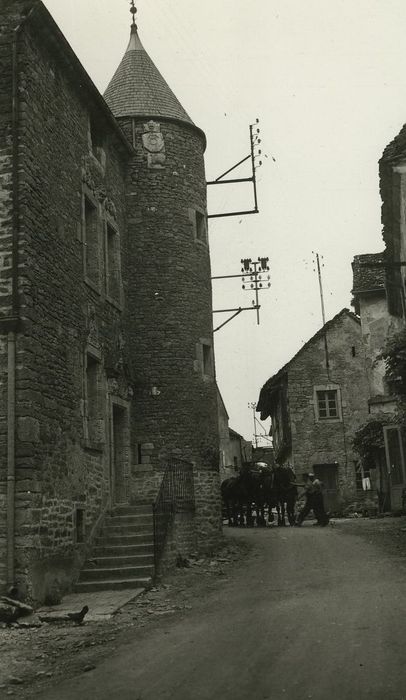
(327, 404)
(91, 239)
(139, 453)
(235, 463)
(207, 360)
(96, 138)
(201, 228)
(79, 525)
(113, 263)
(353, 351)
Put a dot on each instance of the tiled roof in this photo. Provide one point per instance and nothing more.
(396, 149)
(275, 380)
(137, 88)
(366, 277)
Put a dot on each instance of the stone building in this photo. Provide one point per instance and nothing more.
(106, 350)
(377, 324)
(234, 449)
(379, 298)
(315, 402)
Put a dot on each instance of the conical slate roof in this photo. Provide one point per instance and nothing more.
(137, 88)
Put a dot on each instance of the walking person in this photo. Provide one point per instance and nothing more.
(318, 502)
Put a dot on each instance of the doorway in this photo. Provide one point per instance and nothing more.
(119, 453)
(395, 464)
(328, 474)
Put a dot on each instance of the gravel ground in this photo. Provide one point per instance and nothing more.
(32, 659)
(388, 533)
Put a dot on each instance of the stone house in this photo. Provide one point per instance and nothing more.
(234, 449)
(315, 403)
(379, 298)
(370, 301)
(106, 348)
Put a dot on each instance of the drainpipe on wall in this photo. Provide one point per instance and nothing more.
(11, 415)
(13, 323)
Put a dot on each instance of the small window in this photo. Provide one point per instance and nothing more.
(91, 242)
(208, 369)
(327, 404)
(353, 351)
(201, 228)
(199, 225)
(235, 462)
(79, 525)
(113, 272)
(96, 139)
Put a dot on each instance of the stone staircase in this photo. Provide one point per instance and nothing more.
(123, 553)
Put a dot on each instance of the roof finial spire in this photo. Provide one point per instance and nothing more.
(133, 11)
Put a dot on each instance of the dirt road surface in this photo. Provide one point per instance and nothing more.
(310, 613)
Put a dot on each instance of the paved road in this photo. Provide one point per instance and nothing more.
(312, 614)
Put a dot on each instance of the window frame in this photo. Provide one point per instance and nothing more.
(325, 389)
(89, 199)
(96, 141)
(92, 441)
(198, 218)
(110, 225)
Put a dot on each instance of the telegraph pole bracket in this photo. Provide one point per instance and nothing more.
(253, 156)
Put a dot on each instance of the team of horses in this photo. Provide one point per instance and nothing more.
(250, 496)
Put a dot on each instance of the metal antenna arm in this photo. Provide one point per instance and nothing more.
(214, 182)
(237, 312)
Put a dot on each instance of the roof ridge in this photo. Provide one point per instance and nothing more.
(316, 335)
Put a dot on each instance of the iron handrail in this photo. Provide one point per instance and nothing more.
(175, 495)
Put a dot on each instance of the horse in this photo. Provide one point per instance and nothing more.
(264, 494)
(251, 489)
(286, 494)
(232, 500)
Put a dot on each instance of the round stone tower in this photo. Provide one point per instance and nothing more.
(167, 285)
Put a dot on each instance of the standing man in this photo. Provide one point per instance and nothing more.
(314, 501)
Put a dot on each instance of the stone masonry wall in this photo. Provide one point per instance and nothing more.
(169, 302)
(58, 469)
(10, 14)
(377, 325)
(326, 442)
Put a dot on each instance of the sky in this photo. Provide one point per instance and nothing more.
(327, 81)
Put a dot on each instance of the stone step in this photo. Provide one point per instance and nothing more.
(146, 547)
(114, 561)
(117, 529)
(132, 510)
(112, 584)
(122, 572)
(123, 539)
(129, 519)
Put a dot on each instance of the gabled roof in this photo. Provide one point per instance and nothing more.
(396, 149)
(275, 380)
(233, 433)
(367, 277)
(138, 89)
